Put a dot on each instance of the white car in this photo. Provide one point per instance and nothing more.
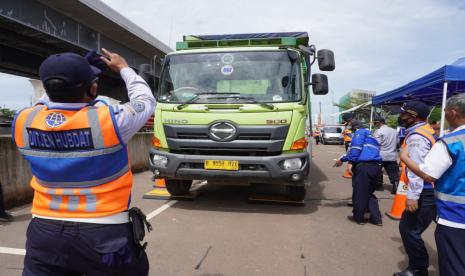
(332, 135)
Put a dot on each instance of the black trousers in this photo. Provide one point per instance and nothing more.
(71, 249)
(317, 139)
(364, 179)
(346, 145)
(392, 170)
(412, 225)
(450, 243)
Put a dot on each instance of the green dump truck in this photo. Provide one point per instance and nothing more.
(234, 108)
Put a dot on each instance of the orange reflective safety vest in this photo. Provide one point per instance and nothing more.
(426, 131)
(79, 163)
(347, 135)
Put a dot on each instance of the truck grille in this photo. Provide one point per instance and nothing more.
(248, 136)
(249, 141)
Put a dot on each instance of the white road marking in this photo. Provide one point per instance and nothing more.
(22, 252)
(158, 211)
(12, 251)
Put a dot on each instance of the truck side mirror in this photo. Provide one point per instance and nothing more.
(145, 71)
(326, 60)
(320, 84)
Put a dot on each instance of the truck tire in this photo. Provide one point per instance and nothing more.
(177, 187)
(296, 193)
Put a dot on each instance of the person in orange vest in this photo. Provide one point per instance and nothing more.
(81, 222)
(420, 210)
(317, 135)
(347, 133)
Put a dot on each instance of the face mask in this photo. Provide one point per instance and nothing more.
(404, 123)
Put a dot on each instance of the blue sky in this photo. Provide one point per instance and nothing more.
(379, 44)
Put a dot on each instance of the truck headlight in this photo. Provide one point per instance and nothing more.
(292, 164)
(159, 160)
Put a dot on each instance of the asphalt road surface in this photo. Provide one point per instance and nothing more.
(221, 233)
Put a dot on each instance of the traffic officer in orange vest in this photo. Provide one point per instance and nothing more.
(82, 180)
(420, 210)
(317, 135)
(347, 137)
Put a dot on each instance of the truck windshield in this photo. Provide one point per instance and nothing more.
(252, 77)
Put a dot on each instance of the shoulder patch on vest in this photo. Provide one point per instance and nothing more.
(138, 106)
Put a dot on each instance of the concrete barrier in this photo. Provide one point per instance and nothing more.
(15, 173)
(139, 148)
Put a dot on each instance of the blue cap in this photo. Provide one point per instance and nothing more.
(417, 108)
(347, 116)
(69, 67)
(378, 118)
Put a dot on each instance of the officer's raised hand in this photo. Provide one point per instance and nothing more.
(114, 61)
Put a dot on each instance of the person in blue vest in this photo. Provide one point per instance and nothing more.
(364, 155)
(444, 165)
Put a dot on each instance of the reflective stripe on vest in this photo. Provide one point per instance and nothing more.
(371, 146)
(426, 131)
(80, 166)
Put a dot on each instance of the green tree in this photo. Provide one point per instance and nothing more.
(435, 114)
(7, 112)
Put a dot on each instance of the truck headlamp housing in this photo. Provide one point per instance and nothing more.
(159, 161)
(292, 164)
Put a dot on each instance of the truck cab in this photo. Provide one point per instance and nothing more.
(234, 108)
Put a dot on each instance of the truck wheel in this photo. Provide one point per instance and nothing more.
(296, 193)
(178, 187)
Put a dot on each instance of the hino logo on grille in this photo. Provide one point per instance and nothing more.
(222, 132)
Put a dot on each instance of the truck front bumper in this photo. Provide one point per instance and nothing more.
(252, 169)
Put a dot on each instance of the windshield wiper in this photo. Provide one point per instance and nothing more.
(253, 100)
(197, 96)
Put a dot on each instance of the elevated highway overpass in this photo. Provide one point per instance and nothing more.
(30, 30)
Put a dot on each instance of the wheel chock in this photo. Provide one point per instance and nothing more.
(159, 192)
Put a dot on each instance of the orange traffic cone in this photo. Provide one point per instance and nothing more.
(160, 183)
(400, 200)
(347, 173)
(159, 192)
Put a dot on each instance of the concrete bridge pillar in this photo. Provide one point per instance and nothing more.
(38, 90)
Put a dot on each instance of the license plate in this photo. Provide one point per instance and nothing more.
(228, 165)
